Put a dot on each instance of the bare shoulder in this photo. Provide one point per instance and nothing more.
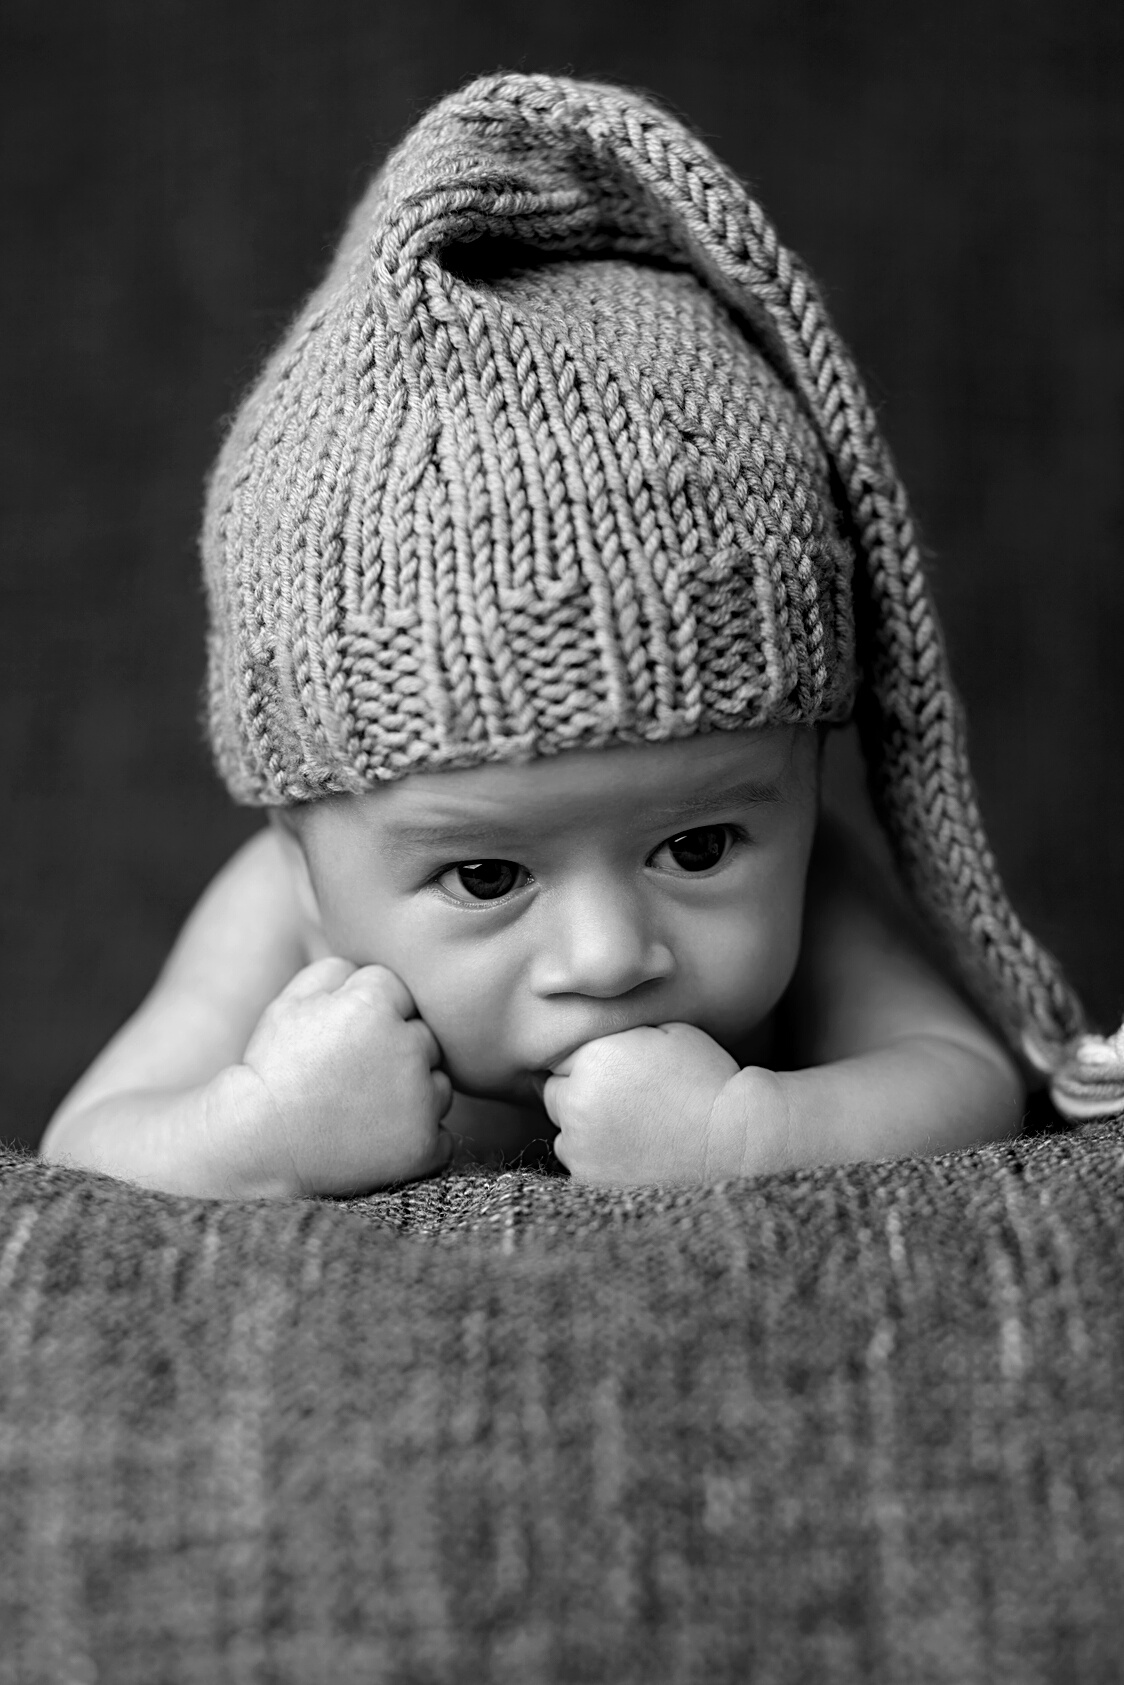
(869, 974)
(249, 917)
(246, 937)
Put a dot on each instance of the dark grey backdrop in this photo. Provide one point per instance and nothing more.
(173, 174)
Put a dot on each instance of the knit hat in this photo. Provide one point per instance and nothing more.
(564, 452)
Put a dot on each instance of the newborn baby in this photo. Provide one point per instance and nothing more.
(551, 543)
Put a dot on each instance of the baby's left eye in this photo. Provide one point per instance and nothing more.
(483, 880)
(696, 850)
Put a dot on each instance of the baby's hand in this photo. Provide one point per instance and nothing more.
(338, 1089)
(640, 1106)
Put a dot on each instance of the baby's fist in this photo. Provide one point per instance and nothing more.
(636, 1107)
(344, 1090)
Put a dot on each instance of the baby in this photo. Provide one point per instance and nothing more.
(554, 538)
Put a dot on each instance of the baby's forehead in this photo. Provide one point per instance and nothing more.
(620, 786)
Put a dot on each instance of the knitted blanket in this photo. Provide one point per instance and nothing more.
(863, 1424)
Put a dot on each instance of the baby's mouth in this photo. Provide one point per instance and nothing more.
(612, 1027)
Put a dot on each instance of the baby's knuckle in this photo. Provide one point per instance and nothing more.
(275, 1014)
(579, 1123)
(590, 1064)
(326, 973)
(381, 982)
(417, 1034)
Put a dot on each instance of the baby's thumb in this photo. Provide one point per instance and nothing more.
(323, 976)
(552, 1091)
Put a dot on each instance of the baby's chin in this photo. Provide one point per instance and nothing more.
(516, 1088)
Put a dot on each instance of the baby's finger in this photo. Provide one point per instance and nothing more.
(552, 1091)
(321, 977)
(444, 1091)
(379, 985)
(430, 1046)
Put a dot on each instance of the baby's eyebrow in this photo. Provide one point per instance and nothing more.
(750, 792)
(485, 832)
(446, 834)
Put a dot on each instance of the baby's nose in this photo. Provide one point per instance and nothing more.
(600, 943)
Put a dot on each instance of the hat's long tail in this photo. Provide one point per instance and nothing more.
(580, 164)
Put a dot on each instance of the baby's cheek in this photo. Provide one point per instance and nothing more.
(744, 974)
(471, 1018)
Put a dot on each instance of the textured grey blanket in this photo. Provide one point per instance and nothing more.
(850, 1425)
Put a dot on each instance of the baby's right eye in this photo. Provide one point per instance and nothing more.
(483, 880)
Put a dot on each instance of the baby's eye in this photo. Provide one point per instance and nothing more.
(696, 850)
(483, 880)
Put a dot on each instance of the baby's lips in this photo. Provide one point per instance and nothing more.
(560, 1065)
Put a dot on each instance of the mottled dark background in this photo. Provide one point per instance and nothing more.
(173, 175)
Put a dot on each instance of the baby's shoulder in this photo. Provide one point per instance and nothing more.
(250, 921)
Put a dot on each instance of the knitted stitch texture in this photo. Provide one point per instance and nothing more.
(582, 509)
(565, 452)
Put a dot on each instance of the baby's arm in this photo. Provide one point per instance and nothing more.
(891, 1062)
(248, 1072)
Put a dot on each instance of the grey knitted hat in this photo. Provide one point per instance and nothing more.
(564, 452)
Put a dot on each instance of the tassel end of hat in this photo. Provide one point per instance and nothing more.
(1087, 1081)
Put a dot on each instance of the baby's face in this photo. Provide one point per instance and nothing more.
(530, 909)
